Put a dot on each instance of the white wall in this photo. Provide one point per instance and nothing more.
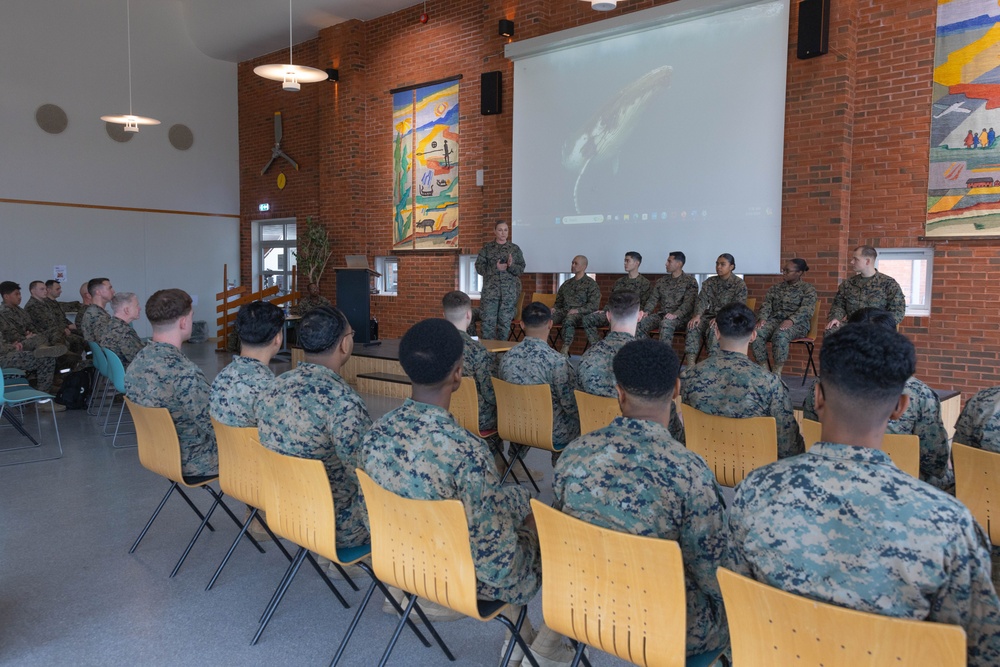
(73, 54)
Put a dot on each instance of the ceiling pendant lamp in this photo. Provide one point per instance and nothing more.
(291, 76)
(130, 121)
(603, 5)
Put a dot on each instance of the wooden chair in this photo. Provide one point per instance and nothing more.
(809, 340)
(977, 485)
(623, 594)
(751, 302)
(465, 407)
(160, 453)
(423, 548)
(516, 326)
(768, 627)
(903, 449)
(524, 418)
(731, 447)
(241, 477)
(595, 411)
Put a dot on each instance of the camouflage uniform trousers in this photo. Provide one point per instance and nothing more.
(570, 322)
(43, 368)
(593, 322)
(496, 308)
(704, 331)
(658, 320)
(781, 341)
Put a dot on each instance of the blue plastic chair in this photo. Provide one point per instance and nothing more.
(101, 364)
(17, 397)
(116, 373)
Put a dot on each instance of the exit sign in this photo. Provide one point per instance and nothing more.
(263, 207)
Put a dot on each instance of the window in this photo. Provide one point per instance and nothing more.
(388, 282)
(563, 277)
(277, 253)
(912, 269)
(469, 281)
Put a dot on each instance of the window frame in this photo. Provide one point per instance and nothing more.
(290, 246)
(382, 265)
(467, 276)
(914, 254)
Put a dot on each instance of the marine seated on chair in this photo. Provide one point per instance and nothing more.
(420, 451)
(119, 336)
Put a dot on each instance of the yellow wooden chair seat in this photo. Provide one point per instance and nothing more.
(731, 447)
(903, 449)
(977, 485)
(595, 411)
(524, 418)
(465, 407)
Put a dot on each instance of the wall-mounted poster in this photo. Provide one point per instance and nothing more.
(963, 197)
(425, 166)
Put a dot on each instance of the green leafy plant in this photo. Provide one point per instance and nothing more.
(314, 251)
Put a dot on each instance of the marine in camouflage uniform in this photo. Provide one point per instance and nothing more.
(857, 292)
(728, 384)
(670, 296)
(843, 525)
(632, 477)
(47, 318)
(310, 302)
(501, 289)
(591, 323)
(480, 364)
(161, 376)
(532, 361)
(93, 322)
(15, 324)
(43, 368)
(237, 391)
(795, 301)
(716, 292)
(419, 451)
(979, 424)
(922, 418)
(581, 294)
(311, 412)
(121, 338)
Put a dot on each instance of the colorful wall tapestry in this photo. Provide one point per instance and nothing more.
(963, 197)
(425, 166)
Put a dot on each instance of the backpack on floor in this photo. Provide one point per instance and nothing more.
(75, 390)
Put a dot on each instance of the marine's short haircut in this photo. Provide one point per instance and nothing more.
(500, 222)
(729, 258)
(800, 264)
(34, 283)
(122, 299)
(736, 321)
(877, 316)
(165, 306)
(868, 251)
(429, 351)
(634, 255)
(8, 286)
(536, 314)
(50, 283)
(258, 323)
(679, 256)
(867, 362)
(322, 328)
(647, 369)
(95, 283)
(623, 304)
(455, 305)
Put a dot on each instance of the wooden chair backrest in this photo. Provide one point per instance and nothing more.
(621, 593)
(465, 405)
(520, 307)
(542, 297)
(524, 413)
(814, 323)
(751, 302)
(977, 485)
(903, 449)
(422, 546)
(240, 470)
(595, 411)
(299, 502)
(159, 448)
(768, 626)
(731, 447)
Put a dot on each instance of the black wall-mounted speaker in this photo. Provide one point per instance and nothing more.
(491, 94)
(814, 28)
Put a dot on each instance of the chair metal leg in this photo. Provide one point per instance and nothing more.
(173, 485)
(515, 458)
(399, 629)
(293, 569)
(433, 631)
(118, 431)
(197, 534)
(580, 646)
(329, 584)
(38, 423)
(354, 624)
(810, 363)
(506, 465)
(515, 633)
(193, 507)
(274, 596)
(218, 497)
(254, 514)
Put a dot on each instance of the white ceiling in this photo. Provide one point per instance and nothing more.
(238, 30)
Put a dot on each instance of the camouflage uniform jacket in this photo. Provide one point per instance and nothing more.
(922, 419)
(161, 376)
(308, 302)
(93, 322)
(311, 412)
(15, 323)
(480, 364)
(979, 424)
(486, 266)
(674, 296)
(46, 316)
(789, 301)
(843, 525)
(532, 361)
(728, 384)
(640, 285)
(633, 478)
(419, 451)
(716, 293)
(237, 390)
(857, 292)
(580, 293)
(122, 339)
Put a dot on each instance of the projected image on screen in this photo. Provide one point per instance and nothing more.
(668, 137)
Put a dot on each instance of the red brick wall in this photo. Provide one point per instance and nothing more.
(856, 142)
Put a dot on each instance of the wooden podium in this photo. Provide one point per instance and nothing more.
(354, 300)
